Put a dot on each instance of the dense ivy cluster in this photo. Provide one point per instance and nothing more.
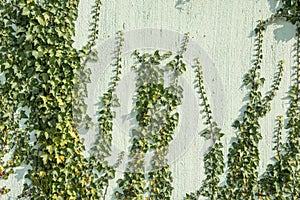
(243, 158)
(213, 159)
(160, 176)
(150, 87)
(39, 66)
(42, 92)
(271, 182)
(281, 179)
(155, 107)
(102, 147)
(290, 10)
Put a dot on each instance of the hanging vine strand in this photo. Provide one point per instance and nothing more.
(42, 91)
(160, 176)
(214, 158)
(102, 148)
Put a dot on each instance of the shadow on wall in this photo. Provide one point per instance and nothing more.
(273, 5)
(180, 4)
(284, 31)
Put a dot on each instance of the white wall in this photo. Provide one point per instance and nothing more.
(223, 29)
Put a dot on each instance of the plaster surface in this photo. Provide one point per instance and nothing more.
(222, 31)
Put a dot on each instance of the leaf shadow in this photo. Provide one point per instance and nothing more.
(273, 5)
(180, 4)
(285, 32)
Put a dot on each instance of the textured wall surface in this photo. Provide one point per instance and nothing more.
(223, 31)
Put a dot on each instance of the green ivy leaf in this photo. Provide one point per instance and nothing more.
(41, 20)
(206, 134)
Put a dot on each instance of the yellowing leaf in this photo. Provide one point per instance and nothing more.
(59, 53)
(58, 126)
(151, 182)
(46, 16)
(41, 20)
(60, 102)
(59, 158)
(45, 158)
(73, 134)
(42, 174)
(63, 142)
(3, 139)
(154, 98)
(25, 11)
(44, 99)
(35, 54)
(68, 123)
(49, 149)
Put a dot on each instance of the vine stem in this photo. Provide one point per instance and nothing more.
(179, 57)
(259, 56)
(105, 192)
(298, 65)
(95, 31)
(207, 109)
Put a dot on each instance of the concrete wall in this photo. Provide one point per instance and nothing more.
(221, 34)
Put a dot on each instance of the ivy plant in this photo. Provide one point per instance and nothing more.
(39, 64)
(213, 159)
(155, 104)
(42, 90)
(280, 181)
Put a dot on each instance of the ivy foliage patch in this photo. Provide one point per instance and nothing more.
(281, 179)
(40, 64)
(42, 90)
(157, 120)
(290, 10)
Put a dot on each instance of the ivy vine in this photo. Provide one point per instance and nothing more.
(280, 181)
(155, 104)
(39, 65)
(42, 106)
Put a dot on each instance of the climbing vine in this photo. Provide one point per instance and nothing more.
(213, 159)
(280, 181)
(244, 154)
(154, 105)
(82, 74)
(39, 64)
(102, 148)
(44, 82)
(273, 178)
